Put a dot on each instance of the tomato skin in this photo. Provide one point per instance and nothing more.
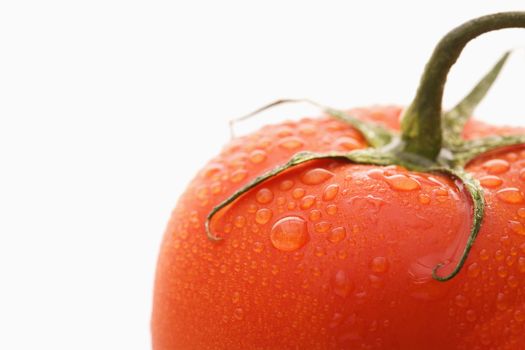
(360, 277)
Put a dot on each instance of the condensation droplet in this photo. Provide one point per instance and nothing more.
(316, 176)
(510, 195)
(286, 185)
(236, 296)
(307, 202)
(424, 198)
(400, 182)
(289, 234)
(502, 272)
(501, 301)
(461, 301)
(319, 251)
(330, 192)
(322, 226)
(298, 192)
(258, 156)
(471, 315)
(239, 221)
(291, 142)
(473, 270)
(521, 212)
(331, 209)
(496, 166)
(263, 215)
(307, 129)
(519, 316)
(238, 313)
(314, 215)
(337, 234)
(517, 227)
(238, 175)
(348, 143)
(521, 264)
(342, 284)
(264, 196)
(258, 247)
(490, 181)
(484, 254)
(379, 264)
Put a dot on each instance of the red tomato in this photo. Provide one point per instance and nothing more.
(331, 254)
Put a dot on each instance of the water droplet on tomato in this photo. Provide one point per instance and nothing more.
(316, 176)
(238, 313)
(322, 226)
(258, 247)
(510, 195)
(501, 301)
(490, 181)
(291, 142)
(471, 315)
(307, 202)
(424, 198)
(519, 316)
(337, 234)
(264, 196)
(331, 209)
(502, 272)
(517, 227)
(298, 193)
(521, 212)
(347, 143)
(263, 215)
(258, 156)
(379, 264)
(461, 301)
(401, 182)
(484, 254)
(473, 270)
(319, 251)
(341, 284)
(513, 281)
(330, 192)
(286, 185)
(521, 264)
(307, 129)
(496, 166)
(239, 221)
(314, 215)
(238, 175)
(289, 233)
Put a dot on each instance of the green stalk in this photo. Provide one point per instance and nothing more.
(421, 124)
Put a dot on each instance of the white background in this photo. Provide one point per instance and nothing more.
(108, 108)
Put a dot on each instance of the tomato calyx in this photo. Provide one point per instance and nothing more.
(430, 140)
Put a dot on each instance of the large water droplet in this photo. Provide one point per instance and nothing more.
(347, 143)
(264, 196)
(289, 234)
(316, 176)
(263, 215)
(424, 198)
(510, 195)
(400, 182)
(496, 166)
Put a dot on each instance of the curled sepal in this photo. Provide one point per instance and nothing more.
(478, 204)
(455, 119)
(374, 134)
(365, 156)
(471, 149)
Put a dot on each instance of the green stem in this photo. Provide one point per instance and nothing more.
(421, 125)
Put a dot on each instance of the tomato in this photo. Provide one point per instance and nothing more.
(373, 253)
